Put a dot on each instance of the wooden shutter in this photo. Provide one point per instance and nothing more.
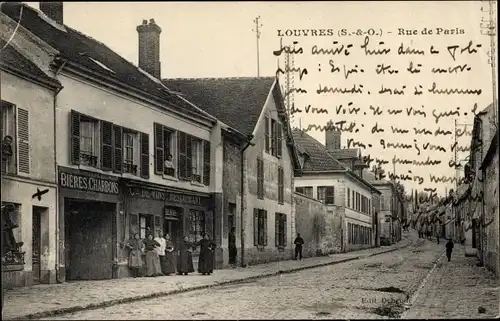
(189, 156)
(75, 137)
(277, 229)
(281, 188)
(279, 138)
(23, 142)
(266, 136)
(144, 155)
(181, 154)
(265, 228)
(118, 148)
(285, 228)
(159, 148)
(329, 198)
(206, 163)
(106, 146)
(273, 137)
(255, 227)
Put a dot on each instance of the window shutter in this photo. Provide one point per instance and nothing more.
(181, 150)
(23, 143)
(206, 163)
(281, 190)
(274, 137)
(265, 228)
(266, 125)
(329, 199)
(279, 139)
(118, 150)
(159, 148)
(75, 137)
(189, 156)
(144, 155)
(276, 229)
(255, 227)
(285, 228)
(106, 146)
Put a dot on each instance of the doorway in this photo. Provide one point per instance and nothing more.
(36, 243)
(173, 228)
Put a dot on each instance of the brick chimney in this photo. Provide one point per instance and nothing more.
(149, 47)
(53, 10)
(332, 136)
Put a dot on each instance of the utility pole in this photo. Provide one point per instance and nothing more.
(257, 33)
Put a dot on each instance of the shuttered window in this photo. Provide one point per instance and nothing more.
(281, 187)
(118, 132)
(23, 135)
(9, 139)
(266, 135)
(260, 178)
(260, 227)
(182, 155)
(159, 148)
(273, 137)
(107, 146)
(144, 155)
(280, 230)
(206, 162)
(279, 139)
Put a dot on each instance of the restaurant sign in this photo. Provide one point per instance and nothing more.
(88, 183)
(165, 196)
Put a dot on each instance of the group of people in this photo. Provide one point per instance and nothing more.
(161, 257)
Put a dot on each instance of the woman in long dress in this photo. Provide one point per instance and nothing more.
(185, 261)
(206, 261)
(136, 247)
(152, 258)
(170, 258)
(161, 249)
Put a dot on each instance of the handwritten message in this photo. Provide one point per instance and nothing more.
(406, 97)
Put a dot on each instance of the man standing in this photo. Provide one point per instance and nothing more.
(232, 247)
(298, 246)
(449, 249)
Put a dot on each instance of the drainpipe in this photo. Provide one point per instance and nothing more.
(248, 143)
(56, 93)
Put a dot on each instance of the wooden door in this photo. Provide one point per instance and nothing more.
(36, 246)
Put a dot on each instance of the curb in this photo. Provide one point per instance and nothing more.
(93, 306)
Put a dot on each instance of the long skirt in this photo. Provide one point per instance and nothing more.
(135, 259)
(206, 262)
(167, 262)
(152, 263)
(185, 262)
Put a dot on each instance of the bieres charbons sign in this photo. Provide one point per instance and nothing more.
(164, 196)
(88, 183)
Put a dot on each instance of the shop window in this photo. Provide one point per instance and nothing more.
(13, 238)
(130, 152)
(260, 227)
(197, 222)
(146, 225)
(280, 230)
(8, 138)
(89, 142)
(326, 194)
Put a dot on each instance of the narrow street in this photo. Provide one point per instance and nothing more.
(374, 287)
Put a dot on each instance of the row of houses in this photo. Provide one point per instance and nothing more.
(470, 214)
(95, 149)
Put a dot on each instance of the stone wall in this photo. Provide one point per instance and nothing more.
(491, 244)
(320, 229)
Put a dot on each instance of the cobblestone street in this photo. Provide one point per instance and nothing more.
(373, 287)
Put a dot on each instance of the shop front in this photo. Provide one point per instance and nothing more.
(88, 212)
(151, 208)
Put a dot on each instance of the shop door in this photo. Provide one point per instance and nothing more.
(174, 229)
(36, 246)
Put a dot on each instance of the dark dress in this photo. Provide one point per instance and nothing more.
(170, 259)
(185, 259)
(136, 248)
(233, 252)
(206, 261)
(152, 259)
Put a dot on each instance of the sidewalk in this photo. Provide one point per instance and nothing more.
(457, 289)
(46, 300)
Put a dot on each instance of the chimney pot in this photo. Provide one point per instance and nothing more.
(144, 22)
(152, 21)
(53, 10)
(149, 47)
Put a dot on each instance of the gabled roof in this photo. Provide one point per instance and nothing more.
(95, 56)
(345, 153)
(370, 177)
(319, 159)
(237, 102)
(12, 60)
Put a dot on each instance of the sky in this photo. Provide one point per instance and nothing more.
(217, 39)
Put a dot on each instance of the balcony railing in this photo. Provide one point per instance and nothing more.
(169, 171)
(129, 168)
(88, 159)
(196, 178)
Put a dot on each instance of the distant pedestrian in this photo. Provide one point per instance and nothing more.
(232, 247)
(206, 259)
(185, 257)
(136, 247)
(152, 258)
(449, 249)
(299, 242)
(170, 258)
(437, 237)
